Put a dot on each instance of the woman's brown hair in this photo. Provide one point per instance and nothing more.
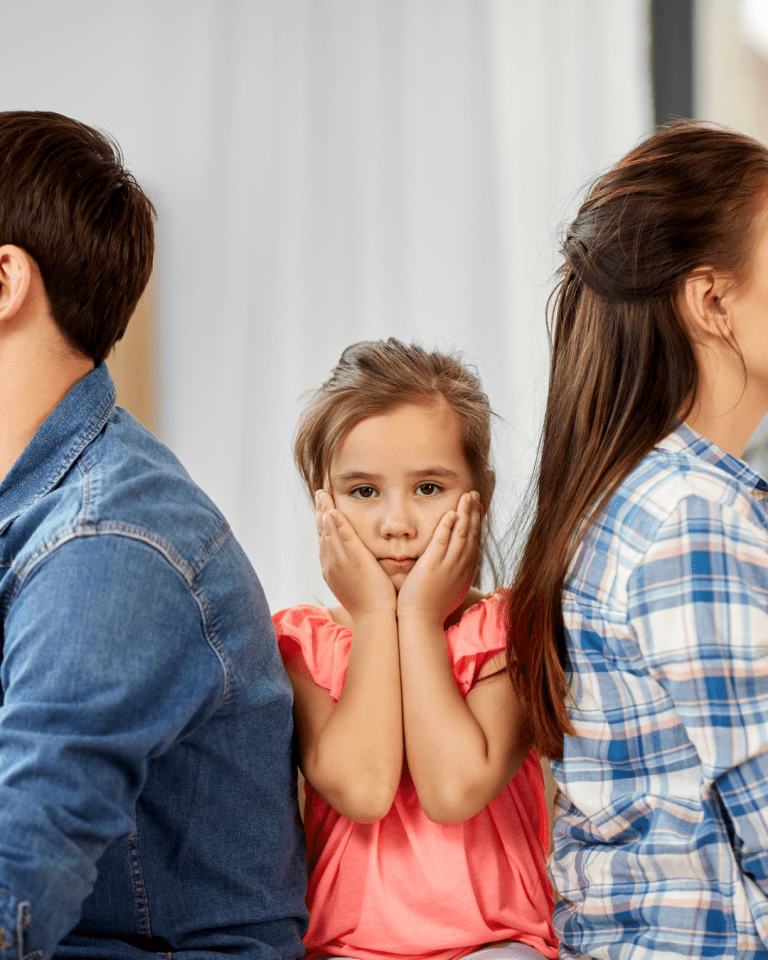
(623, 371)
(376, 376)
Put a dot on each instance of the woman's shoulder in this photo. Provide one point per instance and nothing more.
(685, 465)
(685, 496)
(677, 485)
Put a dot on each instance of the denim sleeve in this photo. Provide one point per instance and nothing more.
(699, 604)
(104, 666)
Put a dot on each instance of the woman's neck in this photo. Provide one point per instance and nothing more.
(729, 405)
(730, 428)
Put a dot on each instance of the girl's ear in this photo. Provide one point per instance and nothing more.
(704, 308)
(17, 273)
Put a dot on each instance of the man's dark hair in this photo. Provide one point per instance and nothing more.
(66, 199)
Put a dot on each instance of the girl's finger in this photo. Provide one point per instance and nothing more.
(463, 509)
(343, 528)
(334, 522)
(320, 510)
(476, 516)
(441, 538)
(466, 531)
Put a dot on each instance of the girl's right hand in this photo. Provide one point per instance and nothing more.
(349, 568)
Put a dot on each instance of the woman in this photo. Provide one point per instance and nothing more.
(639, 613)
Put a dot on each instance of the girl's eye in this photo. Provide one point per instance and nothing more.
(428, 489)
(363, 493)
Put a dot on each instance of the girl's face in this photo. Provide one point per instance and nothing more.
(395, 475)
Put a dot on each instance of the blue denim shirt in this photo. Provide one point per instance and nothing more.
(147, 790)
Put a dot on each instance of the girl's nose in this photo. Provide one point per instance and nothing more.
(397, 521)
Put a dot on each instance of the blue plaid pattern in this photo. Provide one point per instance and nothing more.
(661, 841)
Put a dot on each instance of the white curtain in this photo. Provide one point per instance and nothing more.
(327, 171)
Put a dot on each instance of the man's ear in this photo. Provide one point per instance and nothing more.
(704, 305)
(16, 275)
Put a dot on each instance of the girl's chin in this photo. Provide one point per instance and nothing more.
(397, 570)
(398, 579)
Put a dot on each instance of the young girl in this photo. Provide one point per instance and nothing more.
(639, 615)
(425, 815)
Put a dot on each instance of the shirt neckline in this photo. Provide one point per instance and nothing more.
(58, 442)
(684, 439)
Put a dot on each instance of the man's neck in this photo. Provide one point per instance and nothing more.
(34, 379)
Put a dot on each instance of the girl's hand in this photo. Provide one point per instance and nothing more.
(349, 568)
(443, 574)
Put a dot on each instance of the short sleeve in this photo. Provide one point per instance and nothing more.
(323, 645)
(478, 637)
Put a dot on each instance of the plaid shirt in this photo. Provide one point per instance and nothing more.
(661, 842)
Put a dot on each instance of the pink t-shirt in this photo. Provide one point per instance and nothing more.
(406, 887)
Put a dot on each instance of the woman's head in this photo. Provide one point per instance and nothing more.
(377, 376)
(686, 197)
(624, 365)
(689, 196)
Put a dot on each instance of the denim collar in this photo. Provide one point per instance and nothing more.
(57, 444)
(685, 439)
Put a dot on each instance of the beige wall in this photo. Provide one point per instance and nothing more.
(133, 365)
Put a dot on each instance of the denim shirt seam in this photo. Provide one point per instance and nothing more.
(67, 460)
(187, 571)
(87, 438)
(140, 902)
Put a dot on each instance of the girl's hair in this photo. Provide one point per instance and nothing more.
(375, 376)
(623, 371)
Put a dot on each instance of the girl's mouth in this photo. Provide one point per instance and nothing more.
(397, 564)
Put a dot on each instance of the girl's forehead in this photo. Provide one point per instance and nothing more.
(406, 432)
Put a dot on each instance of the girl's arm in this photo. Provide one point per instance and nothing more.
(460, 752)
(352, 751)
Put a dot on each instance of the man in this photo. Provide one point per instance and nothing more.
(146, 782)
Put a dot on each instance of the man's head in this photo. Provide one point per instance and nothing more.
(67, 201)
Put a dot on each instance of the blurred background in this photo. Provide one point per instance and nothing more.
(326, 171)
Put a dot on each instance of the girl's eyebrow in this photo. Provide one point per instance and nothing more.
(353, 476)
(443, 472)
(357, 476)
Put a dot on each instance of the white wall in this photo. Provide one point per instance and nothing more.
(332, 170)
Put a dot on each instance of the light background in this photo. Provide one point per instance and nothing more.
(327, 171)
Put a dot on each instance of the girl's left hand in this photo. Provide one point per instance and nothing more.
(443, 574)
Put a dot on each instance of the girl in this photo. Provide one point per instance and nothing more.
(425, 816)
(639, 615)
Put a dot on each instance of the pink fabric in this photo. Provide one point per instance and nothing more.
(406, 887)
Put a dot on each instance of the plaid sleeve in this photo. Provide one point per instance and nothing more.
(698, 603)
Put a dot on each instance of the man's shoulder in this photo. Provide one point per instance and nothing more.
(123, 483)
(130, 483)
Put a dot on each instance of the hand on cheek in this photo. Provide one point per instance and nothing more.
(443, 574)
(349, 568)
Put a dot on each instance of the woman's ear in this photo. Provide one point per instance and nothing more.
(704, 305)
(17, 272)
